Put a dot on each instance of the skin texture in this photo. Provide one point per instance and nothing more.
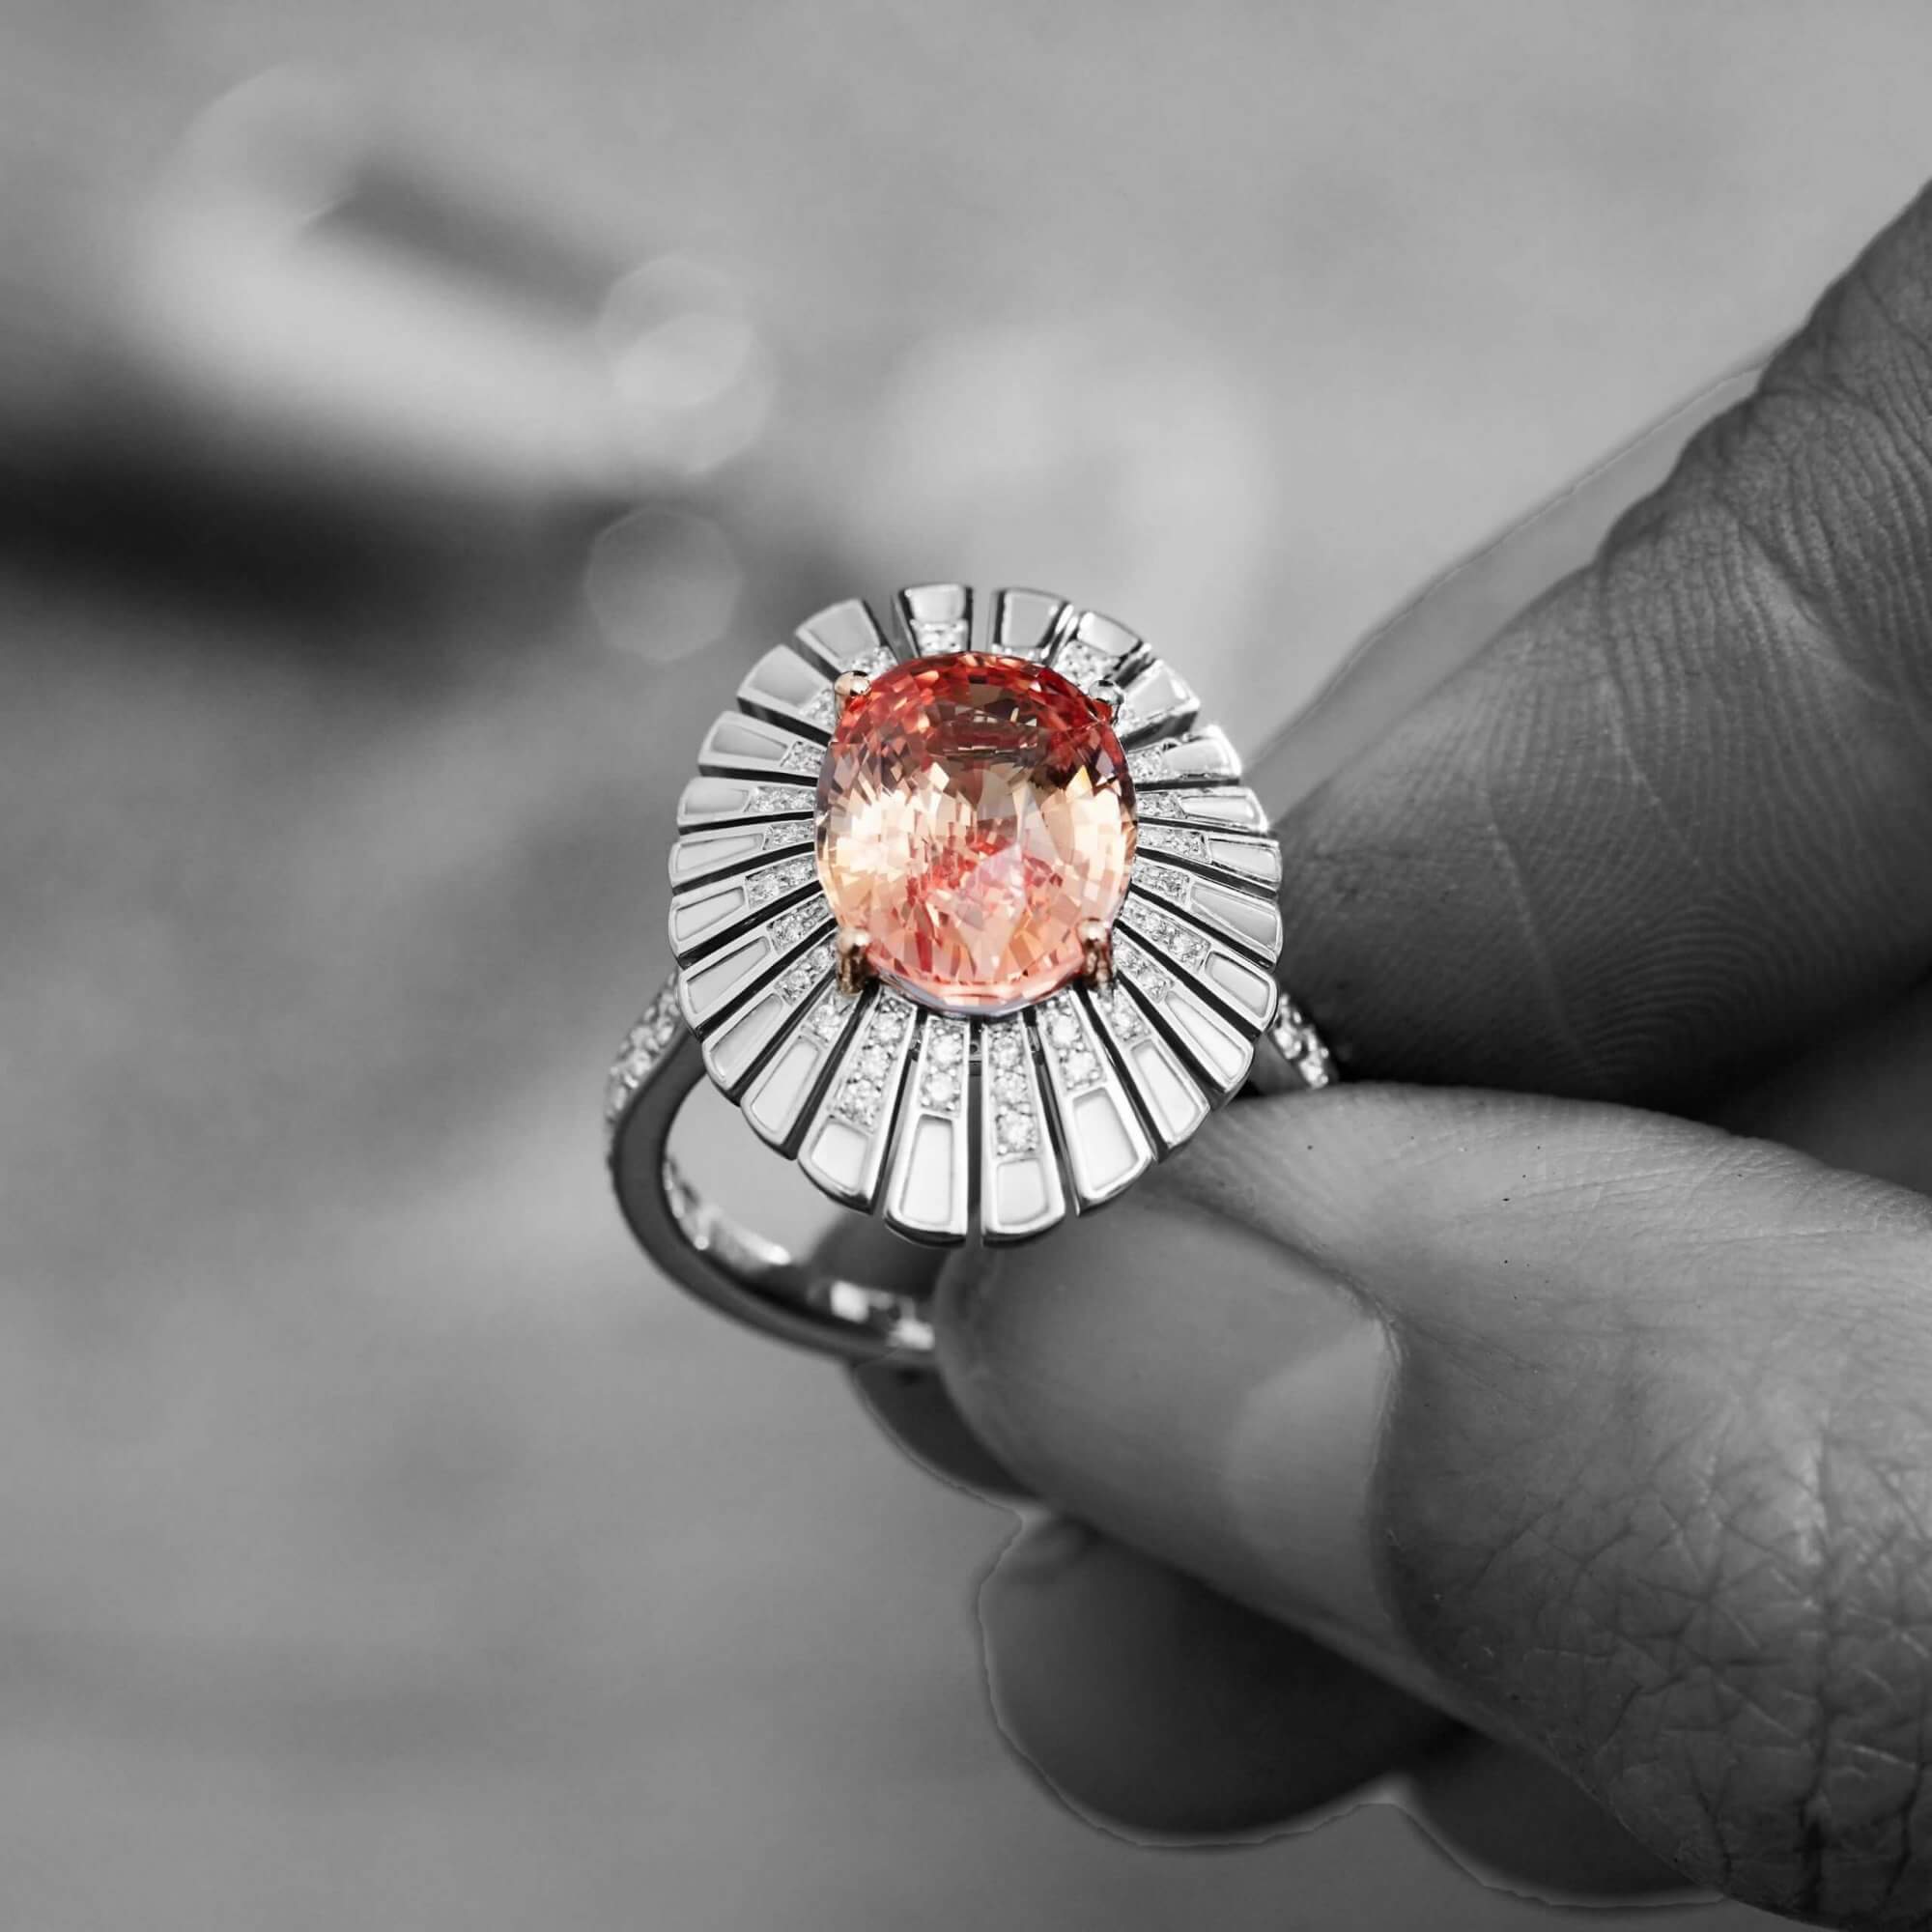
(1679, 814)
(1603, 1432)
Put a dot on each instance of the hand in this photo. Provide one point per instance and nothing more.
(1605, 1433)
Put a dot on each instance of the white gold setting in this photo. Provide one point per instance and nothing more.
(949, 1125)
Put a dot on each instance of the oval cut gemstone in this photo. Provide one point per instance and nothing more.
(973, 813)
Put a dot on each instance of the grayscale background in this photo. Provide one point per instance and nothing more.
(412, 419)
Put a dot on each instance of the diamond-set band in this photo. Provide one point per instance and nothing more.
(951, 1116)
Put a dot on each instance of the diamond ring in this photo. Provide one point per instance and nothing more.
(974, 921)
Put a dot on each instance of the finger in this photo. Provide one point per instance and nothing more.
(1607, 1432)
(1677, 817)
(911, 1405)
(1162, 1710)
(1450, 620)
(1508, 1819)
(1091, 1647)
(916, 1411)
(1861, 1100)
(1165, 1710)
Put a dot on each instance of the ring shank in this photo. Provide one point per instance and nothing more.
(737, 1271)
(752, 1278)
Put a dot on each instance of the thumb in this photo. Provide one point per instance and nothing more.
(1607, 1431)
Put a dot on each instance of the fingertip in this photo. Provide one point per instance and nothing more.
(1195, 1390)
(1516, 1825)
(1165, 1713)
(915, 1411)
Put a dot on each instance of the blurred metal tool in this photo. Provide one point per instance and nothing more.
(302, 305)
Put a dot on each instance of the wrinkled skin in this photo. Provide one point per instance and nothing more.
(1603, 1434)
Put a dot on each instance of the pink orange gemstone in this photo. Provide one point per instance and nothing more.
(973, 813)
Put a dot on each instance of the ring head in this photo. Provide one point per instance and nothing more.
(974, 816)
(972, 918)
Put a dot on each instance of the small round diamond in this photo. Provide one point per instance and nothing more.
(860, 1099)
(1015, 1133)
(1012, 1088)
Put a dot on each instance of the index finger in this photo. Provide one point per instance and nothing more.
(1677, 817)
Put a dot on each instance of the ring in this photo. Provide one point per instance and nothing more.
(975, 923)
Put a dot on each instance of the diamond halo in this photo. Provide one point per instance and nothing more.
(951, 1114)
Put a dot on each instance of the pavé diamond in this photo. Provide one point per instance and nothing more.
(828, 1018)
(1118, 1009)
(1168, 881)
(780, 798)
(775, 881)
(645, 1046)
(1157, 801)
(939, 1090)
(1301, 1045)
(859, 1101)
(1185, 843)
(789, 927)
(1189, 948)
(1081, 664)
(1129, 959)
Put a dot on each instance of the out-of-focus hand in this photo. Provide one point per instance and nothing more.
(1605, 1434)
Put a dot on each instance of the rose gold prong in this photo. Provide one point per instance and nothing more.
(851, 684)
(854, 968)
(1096, 951)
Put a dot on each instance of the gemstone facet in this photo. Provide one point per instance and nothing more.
(974, 811)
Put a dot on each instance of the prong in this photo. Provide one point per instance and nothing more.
(1096, 951)
(851, 684)
(854, 968)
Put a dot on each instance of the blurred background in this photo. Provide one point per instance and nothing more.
(412, 421)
